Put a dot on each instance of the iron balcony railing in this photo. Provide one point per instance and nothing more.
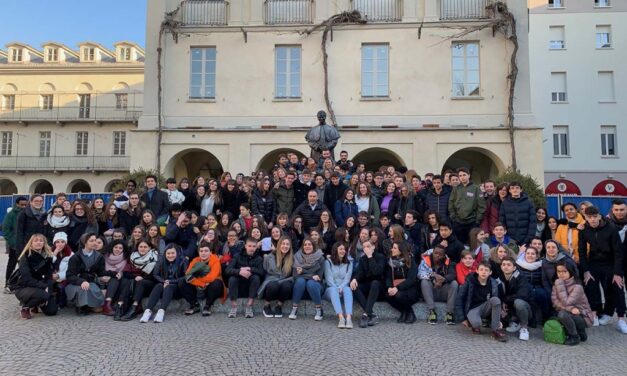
(65, 163)
(286, 12)
(72, 113)
(379, 10)
(205, 12)
(464, 9)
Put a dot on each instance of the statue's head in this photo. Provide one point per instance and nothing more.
(322, 116)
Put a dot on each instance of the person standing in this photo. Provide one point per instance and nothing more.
(30, 221)
(518, 214)
(8, 229)
(466, 206)
(155, 199)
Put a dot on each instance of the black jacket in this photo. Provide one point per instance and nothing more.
(409, 274)
(333, 193)
(78, 272)
(171, 271)
(453, 249)
(158, 204)
(519, 217)
(35, 271)
(465, 293)
(370, 269)
(301, 190)
(438, 202)
(414, 236)
(264, 205)
(605, 247)
(232, 200)
(516, 288)
(27, 224)
(311, 217)
(128, 221)
(183, 237)
(255, 262)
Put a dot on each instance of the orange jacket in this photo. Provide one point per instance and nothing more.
(561, 236)
(215, 273)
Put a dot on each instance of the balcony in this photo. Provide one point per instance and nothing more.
(464, 9)
(288, 12)
(65, 163)
(205, 12)
(379, 10)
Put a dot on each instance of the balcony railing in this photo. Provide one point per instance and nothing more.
(286, 12)
(464, 9)
(379, 10)
(65, 163)
(72, 113)
(205, 12)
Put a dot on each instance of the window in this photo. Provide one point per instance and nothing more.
(125, 54)
(556, 38)
(8, 102)
(287, 72)
(82, 139)
(560, 141)
(374, 71)
(465, 69)
(606, 86)
(16, 55)
(45, 101)
(608, 140)
(121, 101)
(602, 3)
(558, 87)
(89, 54)
(119, 143)
(556, 3)
(52, 54)
(203, 73)
(7, 144)
(604, 36)
(84, 106)
(44, 144)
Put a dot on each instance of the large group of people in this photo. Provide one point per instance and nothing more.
(323, 230)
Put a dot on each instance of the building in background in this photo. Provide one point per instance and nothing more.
(66, 115)
(578, 78)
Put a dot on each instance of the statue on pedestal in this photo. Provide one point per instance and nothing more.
(322, 137)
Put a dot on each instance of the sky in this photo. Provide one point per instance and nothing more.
(72, 21)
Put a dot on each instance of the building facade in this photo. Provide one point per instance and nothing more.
(243, 80)
(578, 77)
(66, 115)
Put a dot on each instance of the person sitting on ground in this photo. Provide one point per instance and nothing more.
(367, 282)
(245, 272)
(500, 237)
(204, 280)
(278, 283)
(337, 275)
(400, 281)
(530, 267)
(116, 258)
(61, 254)
(308, 272)
(437, 282)
(516, 293)
(569, 299)
(447, 240)
(554, 254)
(139, 280)
(497, 254)
(467, 265)
(478, 245)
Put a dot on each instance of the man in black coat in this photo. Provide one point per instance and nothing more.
(30, 221)
(334, 191)
(310, 211)
(244, 273)
(413, 232)
(518, 214)
(182, 234)
(155, 199)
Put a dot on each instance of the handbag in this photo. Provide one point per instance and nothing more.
(14, 280)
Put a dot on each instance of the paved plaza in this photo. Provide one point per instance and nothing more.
(96, 345)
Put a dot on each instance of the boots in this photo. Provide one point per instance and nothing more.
(411, 317)
(119, 311)
(107, 310)
(402, 317)
(131, 313)
(572, 340)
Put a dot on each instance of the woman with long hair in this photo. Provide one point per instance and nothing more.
(137, 235)
(278, 282)
(82, 221)
(367, 202)
(308, 272)
(402, 288)
(263, 203)
(326, 227)
(338, 270)
(224, 225)
(154, 236)
(56, 222)
(108, 221)
(212, 202)
(478, 246)
(148, 219)
(297, 232)
(139, 280)
(130, 215)
(116, 259)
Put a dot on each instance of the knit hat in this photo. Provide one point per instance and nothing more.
(59, 236)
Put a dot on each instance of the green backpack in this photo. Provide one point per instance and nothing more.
(554, 332)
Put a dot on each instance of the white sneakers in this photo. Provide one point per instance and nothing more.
(159, 316)
(146, 316)
(342, 323)
(524, 334)
(293, 314)
(319, 314)
(604, 320)
(513, 327)
(621, 326)
(596, 321)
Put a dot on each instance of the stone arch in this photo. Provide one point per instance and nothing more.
(376, 157)
(193, 162)
(7, 187)
(41, 186)
(482, 163)
(46, 88)
(109, 186)
(10, 88)
(268, 161)
(79, 186)
(121, 86)
(84, 87)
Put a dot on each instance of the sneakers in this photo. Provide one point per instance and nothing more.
(433, 317)
(146, 316)
(293, 314)
(349, 322)
(523, 335)
(373, 320)
(513, 327)
(363, 321)
(192, 310)
(499, 335)
(159, 316)
(341, 323)
(267, 311)
(278, 311)
(25, 313)
(206, 311)
(604, 320)
(318, 316)
(249, 312)
(596, 321)
(621, 326)
(232, 313)
(450, 320)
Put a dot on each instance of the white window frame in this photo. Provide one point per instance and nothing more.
(89, 54)
(17, 55)
(466, 70)
(124, 53)
(52, 54)
(121, 101)
(44, 143)
(560, 96)
(556, 4)
(82, 143)
(204, 74)
(558, 44)
(46, 102)
(8, 102)
(602, 4)
(119, 143)
(289, 75)
(561, 142)
(379, 66)
(603, 39)
(608, 133)
(7, 144)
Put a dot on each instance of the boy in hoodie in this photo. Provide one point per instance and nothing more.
(500, 237)
(436, 273)
(518, 214)
(601, 260)
(245, 271)
(8, 228)
(477, 299)
(516, 293)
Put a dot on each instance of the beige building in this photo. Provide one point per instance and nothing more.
(243, 82)
(66, 115)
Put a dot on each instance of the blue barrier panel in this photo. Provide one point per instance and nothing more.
(604, 203)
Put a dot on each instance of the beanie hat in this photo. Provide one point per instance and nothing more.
(59, 236)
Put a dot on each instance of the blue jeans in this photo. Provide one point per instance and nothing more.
(314, 288)
(332, 294)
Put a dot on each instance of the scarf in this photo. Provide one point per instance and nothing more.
(396, 263)
(305, 261)
(115, 263)
(540, 228)
(56, 222)
(145, 263)
(530, 266)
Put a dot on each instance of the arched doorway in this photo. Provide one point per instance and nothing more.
(191, 163)
(482, 163)
(109, 186)
(374, 158)
(7, 187)
(41, 186)
(79, 186)
(269, 160)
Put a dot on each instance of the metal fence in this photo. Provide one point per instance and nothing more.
(379, 10)
(205, 12)
(65, 163)
(463, 9)
(286, 12)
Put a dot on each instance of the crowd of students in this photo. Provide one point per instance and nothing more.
(323, 230)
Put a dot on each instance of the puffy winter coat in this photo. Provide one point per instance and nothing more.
(519, 217)
(264, 205)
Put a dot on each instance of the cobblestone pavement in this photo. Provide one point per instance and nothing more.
(96, 345)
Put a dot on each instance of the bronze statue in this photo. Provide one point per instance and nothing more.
(322, 137)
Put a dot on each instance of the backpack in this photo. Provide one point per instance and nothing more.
(554, 332)
(13, 283)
